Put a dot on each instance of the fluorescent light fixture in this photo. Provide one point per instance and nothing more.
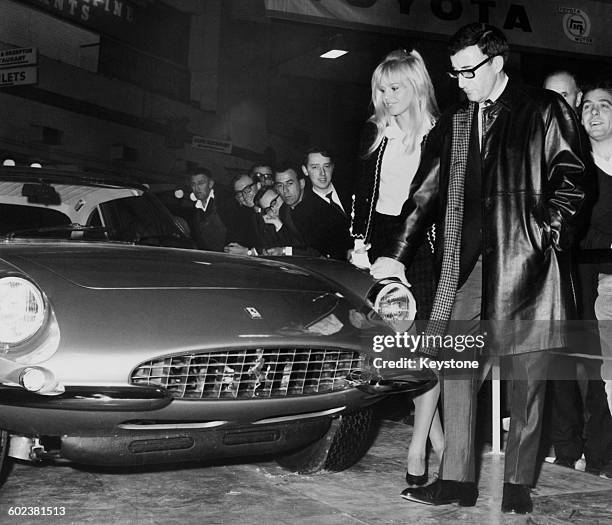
(335, 47)
(334, 53)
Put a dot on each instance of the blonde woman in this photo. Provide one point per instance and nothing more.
(405, 110)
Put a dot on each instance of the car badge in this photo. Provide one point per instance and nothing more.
(253, 312)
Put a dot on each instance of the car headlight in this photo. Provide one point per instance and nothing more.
(394, 303)
(22, 310)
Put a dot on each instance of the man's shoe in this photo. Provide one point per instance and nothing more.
(516, 499)
(592, 469)
(444, 492)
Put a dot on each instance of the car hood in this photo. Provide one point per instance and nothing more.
(117, 306)
(129, 267)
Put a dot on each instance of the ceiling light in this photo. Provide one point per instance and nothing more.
(334, 53)
(335, 47)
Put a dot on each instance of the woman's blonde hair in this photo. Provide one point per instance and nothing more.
(408, 69)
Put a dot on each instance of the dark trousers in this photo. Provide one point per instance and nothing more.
(566, 411)
(527, 393)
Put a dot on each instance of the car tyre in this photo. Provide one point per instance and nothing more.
(348, 439)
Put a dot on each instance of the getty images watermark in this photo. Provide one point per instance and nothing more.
(413, 342)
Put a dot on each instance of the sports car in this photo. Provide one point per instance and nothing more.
(120, 345)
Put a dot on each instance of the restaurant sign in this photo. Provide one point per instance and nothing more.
(18, 67)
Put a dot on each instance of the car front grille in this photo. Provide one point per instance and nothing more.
(252, 373)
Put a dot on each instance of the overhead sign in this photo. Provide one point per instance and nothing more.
(577, 26)
(220, 146)
(18, 66)
(100, 13)
(17, 57)
(18, 76)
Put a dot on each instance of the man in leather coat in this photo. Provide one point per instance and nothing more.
(502, 176)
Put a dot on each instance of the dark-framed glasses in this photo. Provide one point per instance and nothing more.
(272, 204)
(247, 190)
(469, 72)
(260, 175)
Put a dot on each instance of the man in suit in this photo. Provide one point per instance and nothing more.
(318, 166)
(277, 232)
(329, 206)
(242, 237)
(502, 175)
(208, 227)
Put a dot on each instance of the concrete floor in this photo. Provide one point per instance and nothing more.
(262, 493)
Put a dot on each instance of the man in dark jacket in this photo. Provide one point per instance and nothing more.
(330, 201)
(242, 235)
(208, 227)
(277, 233)
(317, 221)
(503, 173)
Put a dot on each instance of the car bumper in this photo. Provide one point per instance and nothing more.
(87, 411)
(150, 447)
(138, 426)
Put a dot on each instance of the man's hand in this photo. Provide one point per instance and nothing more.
(274, 220)
(235, 249)
(385, 267)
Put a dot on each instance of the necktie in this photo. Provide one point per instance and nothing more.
(485, 105)
(335, 205)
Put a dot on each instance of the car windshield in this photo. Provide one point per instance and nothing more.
(70, 211)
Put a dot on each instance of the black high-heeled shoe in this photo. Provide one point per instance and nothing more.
(417, 480)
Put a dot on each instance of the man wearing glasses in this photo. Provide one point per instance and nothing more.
(278, 236)
(263, 174)
(501, 176)
(243, 235)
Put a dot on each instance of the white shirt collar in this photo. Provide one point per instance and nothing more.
(203, 205)
(324, 193)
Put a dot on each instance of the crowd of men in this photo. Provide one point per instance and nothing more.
(285, 210)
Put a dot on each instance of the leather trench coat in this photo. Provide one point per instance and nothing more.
(533, 178)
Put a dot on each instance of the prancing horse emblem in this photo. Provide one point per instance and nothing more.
(253, 312)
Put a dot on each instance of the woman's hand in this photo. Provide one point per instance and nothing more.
(358, 256)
